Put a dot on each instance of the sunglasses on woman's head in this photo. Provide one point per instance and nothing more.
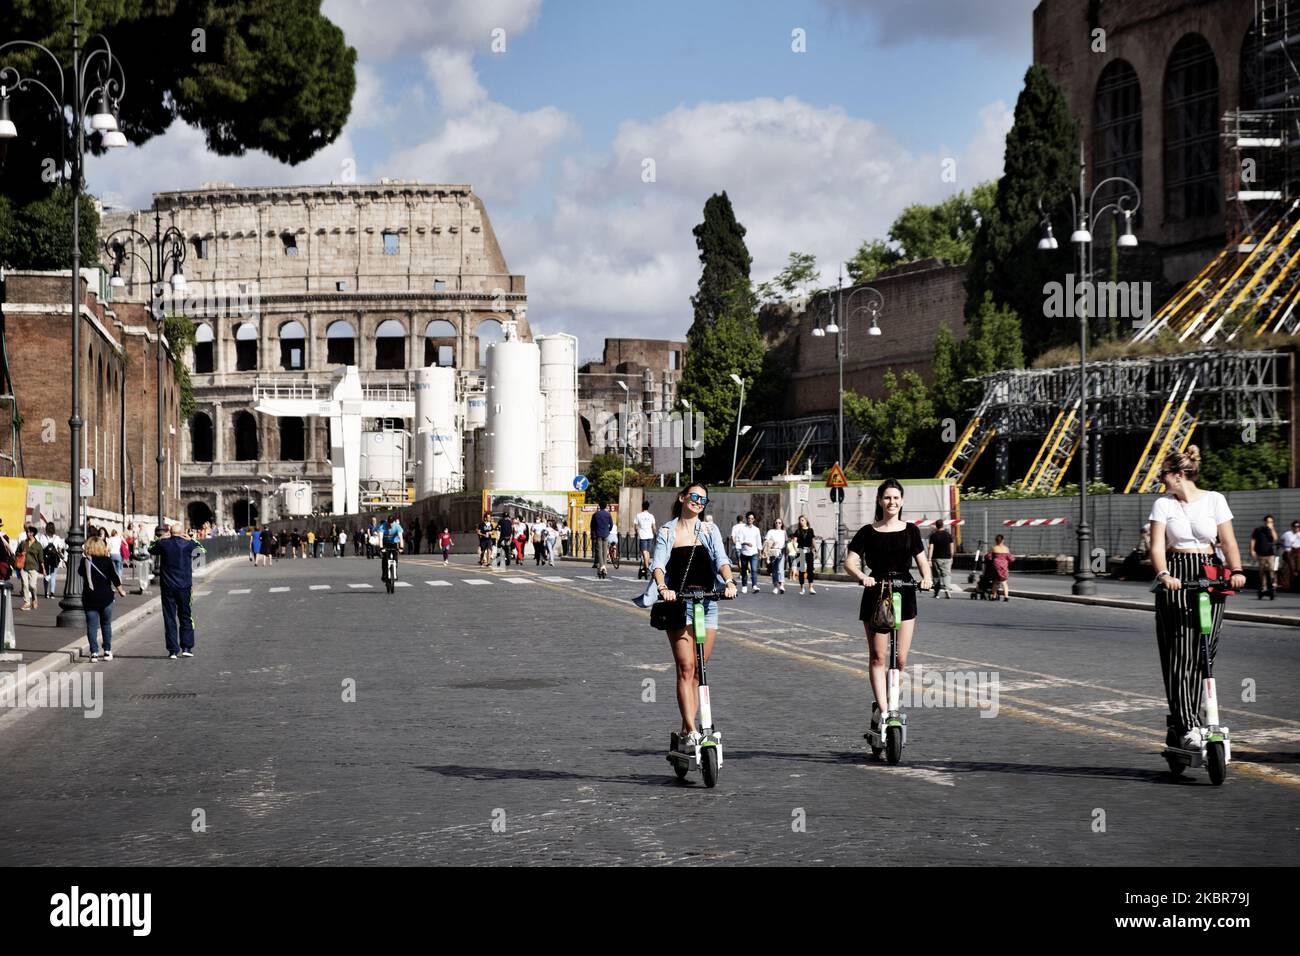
(698, 498)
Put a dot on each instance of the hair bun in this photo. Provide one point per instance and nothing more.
(1194, 454)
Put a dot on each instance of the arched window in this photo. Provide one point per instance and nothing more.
(198, 513)
(244, 513)
(440, 343)
(293, 346)
(341, 343)
(293, 439)
(204, 359)
(246, 347)
(1117, 129)
(390, 345)
(1191, 129)
(488, 332)
(245, 437)
(201, 443)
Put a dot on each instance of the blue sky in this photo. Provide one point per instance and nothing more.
(818, 149)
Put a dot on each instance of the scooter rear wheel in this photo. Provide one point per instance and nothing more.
(893, 745)
(709, 765)
(680, 767)
(1216, 762)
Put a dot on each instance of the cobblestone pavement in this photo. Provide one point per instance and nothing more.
(509, 722)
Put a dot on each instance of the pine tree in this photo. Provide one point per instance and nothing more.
(1042, 159)
(726, 260)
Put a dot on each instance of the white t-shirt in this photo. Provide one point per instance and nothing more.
(776, 540)
(737, 530)
(749, 538)
(1193, 525)
(645, 525)
(1290, 539)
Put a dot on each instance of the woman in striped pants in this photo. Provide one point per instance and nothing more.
(1186, 525)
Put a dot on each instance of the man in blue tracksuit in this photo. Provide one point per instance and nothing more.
(175, 555)
(602, 523)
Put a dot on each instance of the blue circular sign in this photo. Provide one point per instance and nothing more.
(581, 483)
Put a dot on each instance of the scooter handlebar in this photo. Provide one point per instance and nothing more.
(1222, 587)
(699, 594)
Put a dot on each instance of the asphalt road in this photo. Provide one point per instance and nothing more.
(507, 722)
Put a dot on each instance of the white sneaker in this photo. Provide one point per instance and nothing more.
(812, 590)
(187, 653)
(745, 589)
(94, 658)
(691, 743)
(1192, 739)
(803, 590)
(171, 657)
(108, 655)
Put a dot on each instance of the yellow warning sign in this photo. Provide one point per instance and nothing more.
(835, 478)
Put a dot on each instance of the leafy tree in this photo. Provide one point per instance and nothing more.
(732, 344)
(945, 230)
(726, 261)
(38, 235)
(1042, 159)
(873, 257)
(1243, 466)
(898, 425)
(606, 477)
(180, 337)
(273, 75)
(799, 273)
(992, 343)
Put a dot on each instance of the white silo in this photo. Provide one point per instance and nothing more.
(514, 440)
(383, 458)
(438, 448)
(559, 381)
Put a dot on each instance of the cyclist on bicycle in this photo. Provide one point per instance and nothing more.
(390, 537)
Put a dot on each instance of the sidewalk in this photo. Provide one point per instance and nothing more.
(43, 644)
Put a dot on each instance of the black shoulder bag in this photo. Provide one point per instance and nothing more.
(671, 615)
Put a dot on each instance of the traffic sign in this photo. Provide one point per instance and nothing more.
(581, 483)
(835, 478)
(803, 493)
(87, 482)
(837, 495)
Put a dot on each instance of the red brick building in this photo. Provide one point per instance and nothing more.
(119, 397)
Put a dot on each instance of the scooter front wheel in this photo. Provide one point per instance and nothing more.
(893, 744)
(1216, 762)
(709, 765)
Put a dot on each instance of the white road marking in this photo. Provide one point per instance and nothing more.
(320, 587)
(361, 585)
(278, 590)
(518, 580)
(940, 777)
(240, 591)
(476, 581)
(439, 584)
(559, 580)
(403, 584)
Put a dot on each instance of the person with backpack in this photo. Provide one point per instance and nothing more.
(55, 553)
(99, 582)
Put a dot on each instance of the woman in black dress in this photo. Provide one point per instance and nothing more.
(888, 544)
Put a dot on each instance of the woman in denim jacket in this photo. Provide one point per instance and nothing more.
(689, 553)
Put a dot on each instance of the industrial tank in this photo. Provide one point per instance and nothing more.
(438, 448)
(514, 440)
(295, 499)
(559, 384)
(383, 457)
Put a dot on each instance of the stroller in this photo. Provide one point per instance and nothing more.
(982, 576)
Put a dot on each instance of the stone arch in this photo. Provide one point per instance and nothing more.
(390, 345)
(487, 330)
(202, 438)
(245, 347)
(1191, 131)
(293, 438)
(197, 513)
(247, 448)
(440, 338)
(293, 346)
(203, 354)
(1117, 129)
(341, 343)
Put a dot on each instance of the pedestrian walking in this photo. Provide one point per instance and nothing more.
(31, 559)
(645, 537)
(733, 542)
(1289, 575)
(538, 534)
(1000, 558)
(116, 545)
(100, 580)
(565, 535)
(748, 542)
(175, 555)
(485, 530)
(520, 528)
(601, 526)
(888, 545)
(55, 551)
(417, 533)
(444, 542)
(255, 547)
(774, 550)
(1263, 548)
(1189, 525)
(939, 550)
(805, 540)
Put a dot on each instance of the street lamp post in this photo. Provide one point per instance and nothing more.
(739, 408)
(692, 456)
(622, 475)
(166, 248)
(1082, 217)
(840, 328)
(109, 89)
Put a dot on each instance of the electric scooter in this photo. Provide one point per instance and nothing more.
(707, 757)
(1216, 748)
(890, 735)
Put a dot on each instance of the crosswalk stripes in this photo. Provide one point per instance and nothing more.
(476, 581)
(240, 591)
(518, 580)
(402, 584)
(554, 579)
(320, 587)
(361, 585)
(278, 590)
(439, 584)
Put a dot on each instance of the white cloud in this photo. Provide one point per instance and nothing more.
(383, 28)
(454, 77)
(615, 255)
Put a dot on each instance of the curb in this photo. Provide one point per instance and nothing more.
(72, 653)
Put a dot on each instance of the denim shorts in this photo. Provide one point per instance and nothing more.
(710, 615)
